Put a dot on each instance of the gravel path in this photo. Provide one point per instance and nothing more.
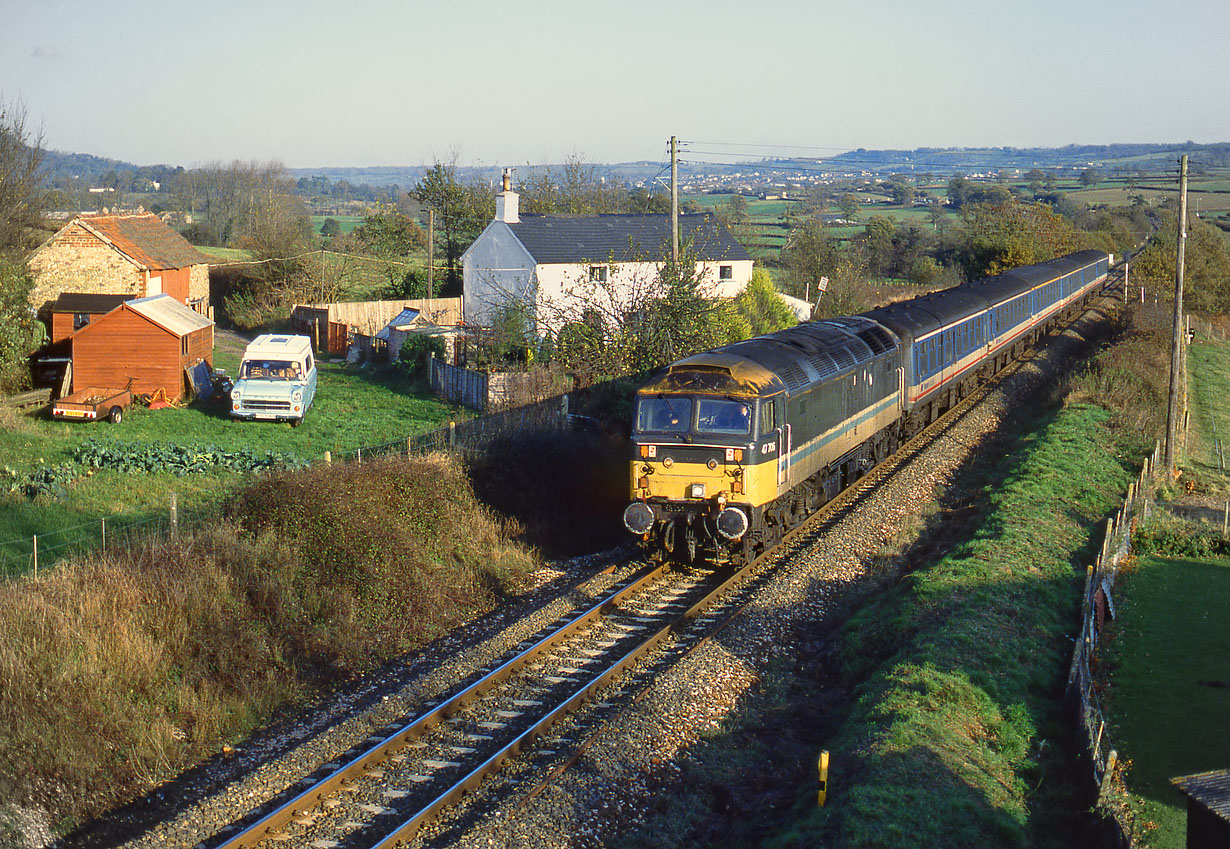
(608, 789)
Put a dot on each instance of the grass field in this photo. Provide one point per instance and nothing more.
(354, 408)
(1170, 691)
(1170, 684)
(347, 222)
(234, 254)
(1209, 362)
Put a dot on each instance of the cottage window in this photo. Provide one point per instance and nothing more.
(726, 272)
(597, 273)
(80, 320)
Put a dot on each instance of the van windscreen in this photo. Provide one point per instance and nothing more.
(270, 369)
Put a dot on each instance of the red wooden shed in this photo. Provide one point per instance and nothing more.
(74, 310)
(149, 340)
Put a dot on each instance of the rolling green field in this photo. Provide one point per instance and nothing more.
(354, 408)
(347, 222)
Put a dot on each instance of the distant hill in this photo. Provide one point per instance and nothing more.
(65, 169)
(1143, 157)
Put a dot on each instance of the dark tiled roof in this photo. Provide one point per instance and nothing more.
(623, 238)
(77, 302)
(1211, 789)
(147, 239)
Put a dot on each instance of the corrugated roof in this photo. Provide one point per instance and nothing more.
(1211, 789)
(167, 312)
(623, 238)
(147, 239)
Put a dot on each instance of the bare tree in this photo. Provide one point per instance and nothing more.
(23, 198)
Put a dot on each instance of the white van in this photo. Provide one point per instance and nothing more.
(276, 381)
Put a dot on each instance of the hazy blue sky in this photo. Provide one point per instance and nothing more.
(362, 82)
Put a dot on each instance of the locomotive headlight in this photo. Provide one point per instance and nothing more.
(696, 490)
(712, 464)
(668, 461)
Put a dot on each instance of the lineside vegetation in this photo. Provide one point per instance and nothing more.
(120, 670)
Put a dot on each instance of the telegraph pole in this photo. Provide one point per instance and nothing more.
(674, 202)
(1176, 341)
(431, 252)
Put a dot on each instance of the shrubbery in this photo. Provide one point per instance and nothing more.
(120, 670)
(1170, 537)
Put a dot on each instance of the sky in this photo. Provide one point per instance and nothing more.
(498, 82)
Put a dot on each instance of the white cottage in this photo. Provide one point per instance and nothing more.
(556, 266)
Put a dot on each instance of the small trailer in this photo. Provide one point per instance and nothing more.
(93, 403)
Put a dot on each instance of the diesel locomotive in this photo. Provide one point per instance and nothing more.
(734, 446)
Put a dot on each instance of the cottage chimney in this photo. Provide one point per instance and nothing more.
(506, 202)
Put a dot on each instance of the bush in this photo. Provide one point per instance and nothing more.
(1170, 537)
(415, 352)
(20, 333)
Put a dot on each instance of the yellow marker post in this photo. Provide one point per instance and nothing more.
(824, 777)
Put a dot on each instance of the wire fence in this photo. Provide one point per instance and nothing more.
(27, 555)
(1097, 606)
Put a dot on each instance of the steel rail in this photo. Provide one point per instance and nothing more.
(409, 828)
(266, 826)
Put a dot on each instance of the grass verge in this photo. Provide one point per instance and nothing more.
(941, 698)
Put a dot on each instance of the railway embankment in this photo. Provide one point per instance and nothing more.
(941, 696)
(121, 669)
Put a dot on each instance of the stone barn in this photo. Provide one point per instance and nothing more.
(131, 255)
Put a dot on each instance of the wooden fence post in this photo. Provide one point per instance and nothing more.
(104, 534)
(36, 557)
(328, 458)
(452, 435)
(174, 515)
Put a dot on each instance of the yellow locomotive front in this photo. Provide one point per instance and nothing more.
(706, 451)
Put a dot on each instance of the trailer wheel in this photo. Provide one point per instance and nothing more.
(116, 415)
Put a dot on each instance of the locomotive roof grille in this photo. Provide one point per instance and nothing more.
(793, 376)
(824, 363)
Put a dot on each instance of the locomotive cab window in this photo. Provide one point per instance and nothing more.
(723, 415)
(768, 416)
(669, 414)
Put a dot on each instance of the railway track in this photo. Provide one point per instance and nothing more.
(381, 794)
(408, 774)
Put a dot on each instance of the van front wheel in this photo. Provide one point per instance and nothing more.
(296, 422)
